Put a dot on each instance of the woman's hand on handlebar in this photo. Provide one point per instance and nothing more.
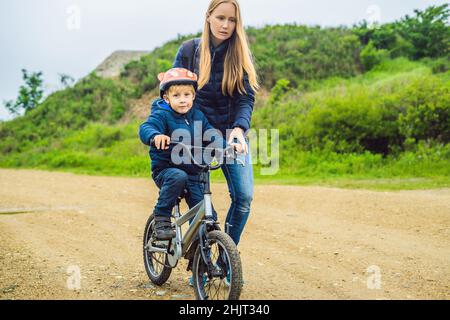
(238, 133)
(237, 147)
(161, 142)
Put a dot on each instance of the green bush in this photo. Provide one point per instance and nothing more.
(371, 56)
(426, 110)
(353, 123)
(278, 91)
(380, 112)
(426, 34)
(440, 65)
(299, 53)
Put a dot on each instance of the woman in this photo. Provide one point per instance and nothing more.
(226, 95)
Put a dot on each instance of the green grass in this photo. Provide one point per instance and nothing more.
(376, 184)
(102, 148)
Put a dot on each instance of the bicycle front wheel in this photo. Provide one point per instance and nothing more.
(226, 284)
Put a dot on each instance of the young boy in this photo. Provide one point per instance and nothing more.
(174, 112)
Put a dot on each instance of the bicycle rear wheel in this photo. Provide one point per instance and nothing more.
(226, 260)
(156, 263)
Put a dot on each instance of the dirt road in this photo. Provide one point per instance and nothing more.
(299, 243)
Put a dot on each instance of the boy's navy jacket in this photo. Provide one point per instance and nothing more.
(223, 112)
(164, 120)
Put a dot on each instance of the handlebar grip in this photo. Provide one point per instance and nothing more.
(152, 142)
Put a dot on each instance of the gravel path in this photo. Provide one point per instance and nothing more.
(299, 243)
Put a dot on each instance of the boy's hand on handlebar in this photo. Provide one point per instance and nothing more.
(162, 142)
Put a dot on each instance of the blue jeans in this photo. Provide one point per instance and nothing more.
(171, 183)
(240, 186)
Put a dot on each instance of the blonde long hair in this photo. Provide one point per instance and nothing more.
(238, 59)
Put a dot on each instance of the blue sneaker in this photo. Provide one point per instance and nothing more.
(228, 278)
(191, 280)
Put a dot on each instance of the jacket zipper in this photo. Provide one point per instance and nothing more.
(213, 74)
(230, 122)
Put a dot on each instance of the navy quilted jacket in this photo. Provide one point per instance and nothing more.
(164, 120)
(223, 112)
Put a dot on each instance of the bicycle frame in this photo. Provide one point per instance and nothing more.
(199, 214)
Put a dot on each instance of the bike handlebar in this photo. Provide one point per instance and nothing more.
(228, 152)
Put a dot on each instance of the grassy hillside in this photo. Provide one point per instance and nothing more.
(351, 111)
(306, 154)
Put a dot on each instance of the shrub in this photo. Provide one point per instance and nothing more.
(371, 56)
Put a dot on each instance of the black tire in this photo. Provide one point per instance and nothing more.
(216, 288)
(156, 264)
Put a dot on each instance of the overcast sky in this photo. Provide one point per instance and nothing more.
(74, 36)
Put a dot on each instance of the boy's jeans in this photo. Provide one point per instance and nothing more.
(171, 182)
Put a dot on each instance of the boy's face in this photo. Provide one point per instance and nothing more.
(180, 98)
